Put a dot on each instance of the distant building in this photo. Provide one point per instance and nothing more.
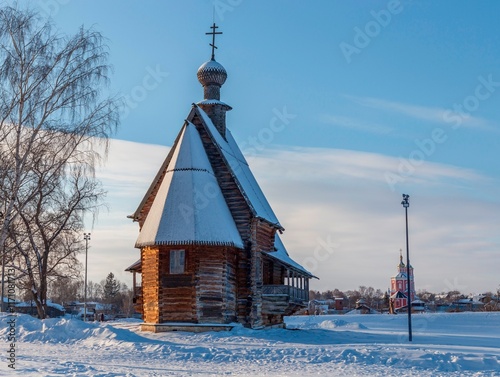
(53, 310)
(399, 287)
(466, 305)
(362, 308)
(318, 307)
(339, 303)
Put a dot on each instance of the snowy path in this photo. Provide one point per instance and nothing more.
(351, 345)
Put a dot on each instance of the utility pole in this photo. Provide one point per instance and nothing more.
(86, 237)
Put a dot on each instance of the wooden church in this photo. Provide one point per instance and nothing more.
(211, 254)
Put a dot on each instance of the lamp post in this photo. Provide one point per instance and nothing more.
(406, 204)
(86, 237)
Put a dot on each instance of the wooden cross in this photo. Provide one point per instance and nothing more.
(213, 32)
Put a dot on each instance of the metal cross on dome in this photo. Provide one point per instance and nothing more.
(213, 33)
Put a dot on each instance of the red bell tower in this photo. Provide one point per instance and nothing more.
(399, 286)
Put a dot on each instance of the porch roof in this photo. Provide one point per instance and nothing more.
(282, 255)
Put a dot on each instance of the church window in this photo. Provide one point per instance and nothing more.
(177, 259)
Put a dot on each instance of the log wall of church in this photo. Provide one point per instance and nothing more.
(150, 287)
(244, 299)
(177, 291)
(264, 235)
(205, 293)
(256, 281)
(216, 284)
(273, 272)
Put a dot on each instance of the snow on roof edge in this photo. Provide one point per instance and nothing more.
(188, 242)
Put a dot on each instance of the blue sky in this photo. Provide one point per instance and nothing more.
(289, 53)
(380, 97)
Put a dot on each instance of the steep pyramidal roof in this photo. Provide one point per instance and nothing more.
(189, 207)
(241, 171)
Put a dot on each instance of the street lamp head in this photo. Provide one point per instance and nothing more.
(406, 202)
(86, 236)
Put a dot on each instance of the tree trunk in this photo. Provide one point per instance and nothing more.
(41, 308)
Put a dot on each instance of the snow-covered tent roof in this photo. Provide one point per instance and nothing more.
(241, 171)
(282, 255)
(27, 304)
(189, 207)
(469, 301)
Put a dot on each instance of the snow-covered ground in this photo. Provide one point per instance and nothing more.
(461, 344)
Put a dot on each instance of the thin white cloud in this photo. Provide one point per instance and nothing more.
(341, 218)
(443, 116)
(322, 194)
(355, 124)
(313, 164)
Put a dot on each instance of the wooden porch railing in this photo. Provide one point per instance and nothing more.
(295, 294)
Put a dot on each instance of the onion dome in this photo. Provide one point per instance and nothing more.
(212, 73)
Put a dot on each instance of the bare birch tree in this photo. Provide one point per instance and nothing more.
(54, 118)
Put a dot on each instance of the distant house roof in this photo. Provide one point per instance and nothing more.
(136, 266)
(468, 301)
(189, 207)
(399, 294)
(25, 304)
